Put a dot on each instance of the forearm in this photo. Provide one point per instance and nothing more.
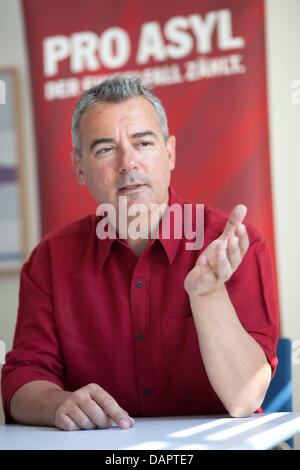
(35, 403)
(235, 364)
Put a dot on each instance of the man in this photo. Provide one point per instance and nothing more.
(112, 328)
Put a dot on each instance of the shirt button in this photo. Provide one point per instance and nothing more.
(141, 336)
(147, 390)
(139, 284)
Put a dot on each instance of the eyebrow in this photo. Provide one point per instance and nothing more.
(109, 140)
(143, 134)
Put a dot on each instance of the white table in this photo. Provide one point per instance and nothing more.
(259, 431)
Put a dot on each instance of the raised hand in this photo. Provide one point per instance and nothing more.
(221, 258)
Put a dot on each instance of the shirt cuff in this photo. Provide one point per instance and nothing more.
(13, 383)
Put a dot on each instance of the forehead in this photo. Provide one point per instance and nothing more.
(136, 112)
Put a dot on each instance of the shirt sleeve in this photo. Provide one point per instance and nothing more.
(253, 294)
(36, 353)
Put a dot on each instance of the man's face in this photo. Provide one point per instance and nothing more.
(124, 153)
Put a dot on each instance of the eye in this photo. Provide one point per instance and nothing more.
(104, 150)
(145, 143)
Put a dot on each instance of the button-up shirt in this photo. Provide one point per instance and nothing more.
(91, 311)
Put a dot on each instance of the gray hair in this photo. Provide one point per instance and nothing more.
(115, 90)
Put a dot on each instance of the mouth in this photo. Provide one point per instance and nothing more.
(131, 188)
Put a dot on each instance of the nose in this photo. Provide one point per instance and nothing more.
(127, 160)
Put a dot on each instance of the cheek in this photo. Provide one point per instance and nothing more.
(162, 170)
(99, 180)
(98, 173)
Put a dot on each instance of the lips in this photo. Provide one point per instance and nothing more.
(131, 187)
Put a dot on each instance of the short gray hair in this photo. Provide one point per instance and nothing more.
(115, 90)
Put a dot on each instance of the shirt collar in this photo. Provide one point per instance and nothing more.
(169, 244)
(103, 250)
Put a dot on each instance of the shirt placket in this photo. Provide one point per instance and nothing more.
(139, 308)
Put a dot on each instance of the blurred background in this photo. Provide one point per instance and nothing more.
(257, 103)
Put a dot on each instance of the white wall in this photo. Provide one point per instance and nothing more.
(13, 54)
(283, 53)
(283, 49)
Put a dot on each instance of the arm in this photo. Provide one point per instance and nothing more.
(235, 363)
(44, 403)
(33, 377)
(35, 402)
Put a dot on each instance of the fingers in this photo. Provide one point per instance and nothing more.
(226, 259)
(91, 415)
(224, 268)
(208, 275)
(233, 251)
(225, 256)
(79, 415)
(68, 424)
(235, 219)
(241, 232)
(237, 215)
(218, 262)
(91, 407)
(237, 245)
(112, 409)
(201, 279)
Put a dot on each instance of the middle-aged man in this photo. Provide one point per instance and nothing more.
(112, 328)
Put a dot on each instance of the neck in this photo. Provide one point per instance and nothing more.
(138, 246)
(141, 230)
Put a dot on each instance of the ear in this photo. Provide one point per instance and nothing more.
(78, 167)
(171, 149)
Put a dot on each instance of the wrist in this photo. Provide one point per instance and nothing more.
(212, 312)
(219, 291)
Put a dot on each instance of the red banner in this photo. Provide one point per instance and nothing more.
(204, 59)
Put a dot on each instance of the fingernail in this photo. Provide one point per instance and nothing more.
(124, 424)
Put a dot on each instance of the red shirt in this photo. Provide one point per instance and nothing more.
(90, 311)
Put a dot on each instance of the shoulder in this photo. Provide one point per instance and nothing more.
(78, 227)
(69, 239)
